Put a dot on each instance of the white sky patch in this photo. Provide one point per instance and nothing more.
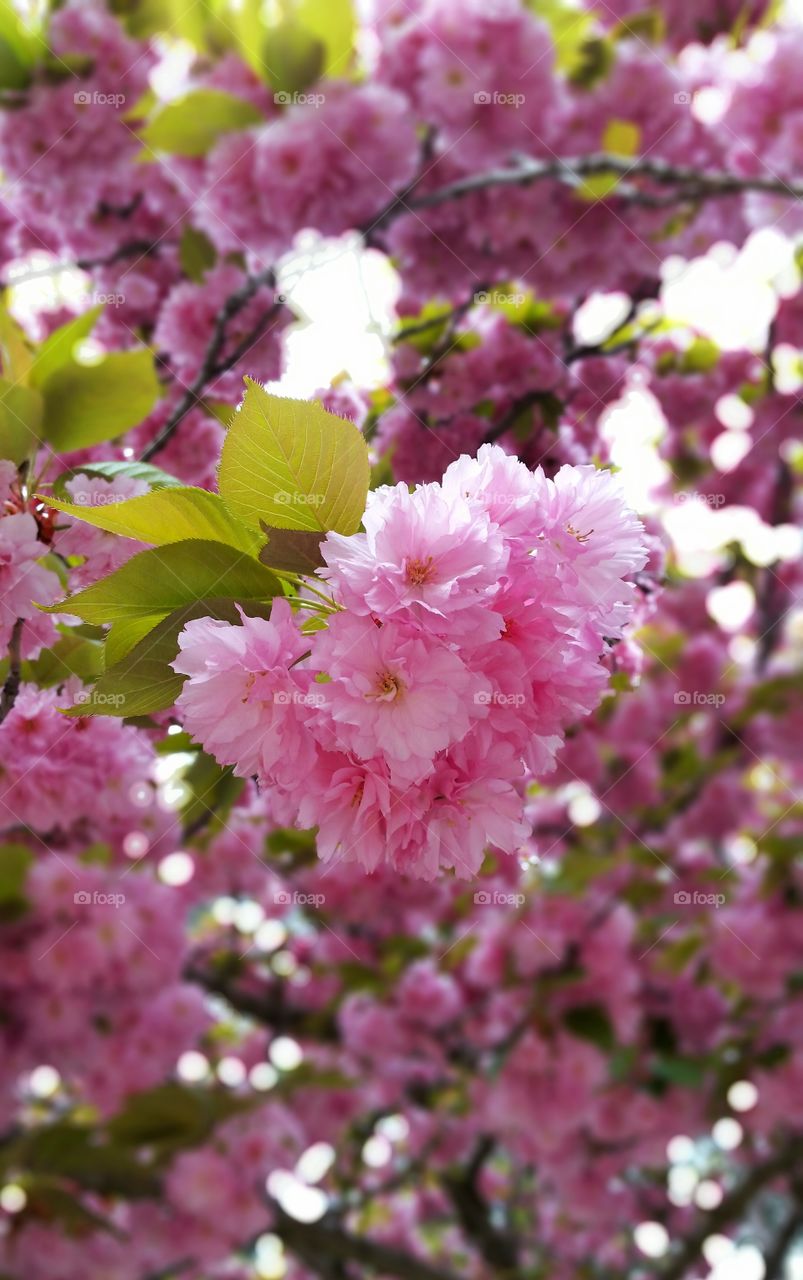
(345, 295)
(731, 606)
(729, 295)
(632, 426)
(600, 316)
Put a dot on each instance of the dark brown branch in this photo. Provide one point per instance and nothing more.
(733, 1207)
(11, 688)
(775, 1255)
(772, 592)
(688, 184)
(321, 1240)
(132, 249)
(511, 416)
(267, 1006)
(498, 1248)
(212, 365)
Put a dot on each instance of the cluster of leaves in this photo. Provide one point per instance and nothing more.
(289, 473)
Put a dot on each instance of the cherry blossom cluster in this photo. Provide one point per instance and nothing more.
(470, 620)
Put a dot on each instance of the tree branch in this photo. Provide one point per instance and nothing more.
(775, 1256)
(8, 695)
(498, 1248)
(318, 1239)
(688, 184)
(733, 1206)
(212, 365)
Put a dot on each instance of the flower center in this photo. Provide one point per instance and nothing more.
(581, 537)
(418, 571)
(387, 688)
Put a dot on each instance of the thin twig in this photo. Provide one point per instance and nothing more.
(212, 365)
(732, 1207)
(689, 184)
(11, 688)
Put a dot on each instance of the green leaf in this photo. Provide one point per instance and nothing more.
(597, 186)
(86, 404)
(166, 578)
(292, 550)
(20, 45)
(649, 25)
(293, 59)
(211, 792)
(591, 1022)
(621, 138)
(124, 634)
(152, 476)
(165, 516)
(196, 253)
(71, 1151)
(143, 680)
(57, 350)
(173, 1117)
(293, 465)
(21, 412)
(14, 73)
(333, 22)
(684, 1071)
(15, 351)
(72, 655)
(571, 28)
(192, 124)
(48, 1201)
(14, 862)
(144, 18)
(701, 357)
